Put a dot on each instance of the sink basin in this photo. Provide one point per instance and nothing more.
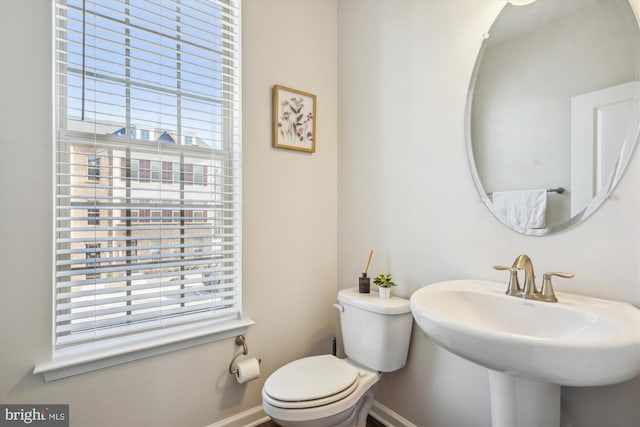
(530, 347)
(578, 341)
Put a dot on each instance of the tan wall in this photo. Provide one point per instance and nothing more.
(402, 148)
(289, 236)
(406, 191)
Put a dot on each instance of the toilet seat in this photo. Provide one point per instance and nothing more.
(311, 382)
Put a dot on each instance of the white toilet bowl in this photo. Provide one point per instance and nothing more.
(324, 391)
(320, 391)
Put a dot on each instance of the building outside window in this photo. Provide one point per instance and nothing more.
(93, 167)
(156, 172)
(93, 216)
(92, 256)
(175, 172)
(124, 75)
(132, 248)
(134, 169)
(198, 175)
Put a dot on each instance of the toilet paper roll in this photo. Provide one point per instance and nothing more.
(247, 370)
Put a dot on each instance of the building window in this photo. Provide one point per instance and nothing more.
(198, 175)
(179, 76)
(93, 167)
(165, 137)
(93, 216)
(156, 172)
(92, 257)
(132, 248)
(144, 172)
(134, 169)
(175, 169)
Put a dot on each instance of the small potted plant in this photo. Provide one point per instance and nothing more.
(384, 282)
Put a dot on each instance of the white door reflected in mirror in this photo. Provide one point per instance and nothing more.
(530, 123)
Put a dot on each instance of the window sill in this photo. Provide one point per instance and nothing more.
(71, 362)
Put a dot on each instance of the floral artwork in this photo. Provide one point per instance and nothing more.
(294, 124)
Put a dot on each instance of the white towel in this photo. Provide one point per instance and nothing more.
(522, 209)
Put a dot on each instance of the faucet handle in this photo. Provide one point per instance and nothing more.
(514, 285)
(546, 293)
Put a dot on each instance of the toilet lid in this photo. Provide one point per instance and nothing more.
(311, 379)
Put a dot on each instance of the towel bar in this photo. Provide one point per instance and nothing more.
(558, 190)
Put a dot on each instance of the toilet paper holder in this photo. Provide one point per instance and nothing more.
(240, 340)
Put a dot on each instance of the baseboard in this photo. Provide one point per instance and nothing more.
(388, 417)
(250, 418)
(255, 416)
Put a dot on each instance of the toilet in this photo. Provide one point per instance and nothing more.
(325, 391)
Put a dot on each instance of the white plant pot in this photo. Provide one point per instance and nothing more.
(384, 293)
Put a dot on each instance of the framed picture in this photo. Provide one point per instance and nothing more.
(294, 119)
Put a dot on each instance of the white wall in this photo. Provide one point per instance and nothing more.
(406, 191)
(289, 237)
(521, 121)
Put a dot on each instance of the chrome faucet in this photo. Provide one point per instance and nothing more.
(523, 262)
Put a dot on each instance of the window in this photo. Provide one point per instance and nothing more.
(175, 168)
(92, 256)
(165, 137)
(198, 174)
(134, 168)
(132, 248)
(156, 215)
(155, 170)
(173, 67)
(93, 167)
(93, 216)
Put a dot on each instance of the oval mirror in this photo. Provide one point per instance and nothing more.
(553, 110)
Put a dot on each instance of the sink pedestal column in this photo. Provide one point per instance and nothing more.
(521, 402)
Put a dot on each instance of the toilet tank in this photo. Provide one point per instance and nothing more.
(375, 331)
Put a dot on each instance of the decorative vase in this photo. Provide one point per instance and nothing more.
(384, 293)
(364, 284)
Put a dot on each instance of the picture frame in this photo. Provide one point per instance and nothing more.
(294, 119)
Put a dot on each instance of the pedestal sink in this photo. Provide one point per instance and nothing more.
(531, 348)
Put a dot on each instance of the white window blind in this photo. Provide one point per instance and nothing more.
(147, 166)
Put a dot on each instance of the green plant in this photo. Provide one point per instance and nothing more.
(384, 281)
